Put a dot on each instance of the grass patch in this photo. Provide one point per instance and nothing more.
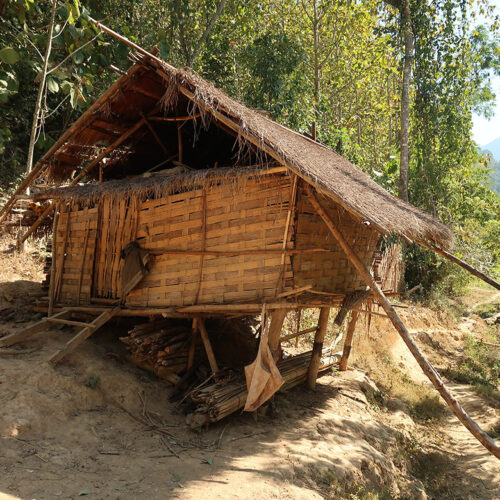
(341, 489)
(479, 367)
(494, 432)
(487, 310)
(422, 401)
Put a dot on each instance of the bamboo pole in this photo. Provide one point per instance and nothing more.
(466, 266)
(235, 253)
(298, 333)
(154, 134)
(53, 265)
(312, 373)
(175, 118)
(348, 341)
(427, 368)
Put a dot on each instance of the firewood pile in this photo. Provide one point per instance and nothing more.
(162, 347)
(219, 399)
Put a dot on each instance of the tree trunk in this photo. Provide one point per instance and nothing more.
(405, 102)
(315, 22)
(197, 50)
(38, 105)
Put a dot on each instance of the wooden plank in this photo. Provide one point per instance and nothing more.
(83, 334)
(43, 324)
(69, 322)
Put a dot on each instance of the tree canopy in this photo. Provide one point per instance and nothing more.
(332, 69)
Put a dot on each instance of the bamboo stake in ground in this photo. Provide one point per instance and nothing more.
(427, 368)
(348, 341)
(319, 337)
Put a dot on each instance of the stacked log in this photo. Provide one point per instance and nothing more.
(161, 347)
(217, 400)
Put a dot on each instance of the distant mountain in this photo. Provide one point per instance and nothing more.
(493, 147)
(495, 166)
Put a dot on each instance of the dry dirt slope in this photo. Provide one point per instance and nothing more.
(61, 438)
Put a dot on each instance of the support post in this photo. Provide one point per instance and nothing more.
(192, 346)
(52, 281)
(427, 368)
(348, 341)
(277, 318)
(319, 337)
(208, 346)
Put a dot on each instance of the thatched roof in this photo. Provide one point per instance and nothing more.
(150, 82)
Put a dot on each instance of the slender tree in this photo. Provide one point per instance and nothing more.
(403, 7)
(41, 88)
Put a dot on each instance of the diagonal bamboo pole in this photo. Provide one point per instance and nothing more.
(427, 368)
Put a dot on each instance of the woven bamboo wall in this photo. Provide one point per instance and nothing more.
(227, 217)
(330, 272)
(232, 216)
(74, 254)
(238, 217)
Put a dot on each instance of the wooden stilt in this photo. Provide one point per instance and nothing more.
(208, 346)
(192, 346)
(427, 368)
(315, 362)
(53, 265)
(348, 341)
(277, 318)
(297, 329)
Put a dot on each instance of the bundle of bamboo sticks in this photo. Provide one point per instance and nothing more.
(218, 400)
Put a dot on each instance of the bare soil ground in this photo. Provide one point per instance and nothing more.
(63, 436)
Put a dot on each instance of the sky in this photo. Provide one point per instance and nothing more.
(484, 131)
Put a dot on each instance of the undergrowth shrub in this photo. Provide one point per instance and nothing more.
(479, 366)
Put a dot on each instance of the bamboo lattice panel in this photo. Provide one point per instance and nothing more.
(237, 218)
(75, 248)
(330, 272)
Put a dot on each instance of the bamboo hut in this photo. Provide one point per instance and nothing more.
(196, 206)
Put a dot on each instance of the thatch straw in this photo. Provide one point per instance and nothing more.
(330, 173)
(153, 187)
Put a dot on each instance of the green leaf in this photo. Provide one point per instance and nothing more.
(84, 492)
(78, 57)
(8, 55)
(66, 87)
(52, 85)
(73, 97)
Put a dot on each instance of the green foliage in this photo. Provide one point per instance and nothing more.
(92, 381)
(337, 64)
